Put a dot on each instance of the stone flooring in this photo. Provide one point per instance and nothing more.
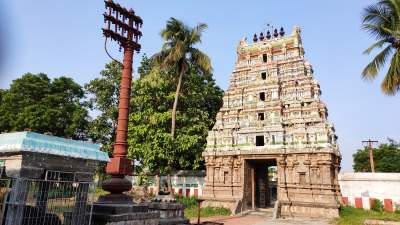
(260, 218)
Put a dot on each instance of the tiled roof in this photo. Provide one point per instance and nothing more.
(40, 143)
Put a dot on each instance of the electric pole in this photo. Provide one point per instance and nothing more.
(122, 26)
(371, 153)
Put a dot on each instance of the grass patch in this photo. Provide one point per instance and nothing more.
(191, 209)
(206, 212)
(189, 202)
(353, 216)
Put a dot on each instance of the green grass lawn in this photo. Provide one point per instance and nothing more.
(191, 209)
(353, 216)
(206, 212)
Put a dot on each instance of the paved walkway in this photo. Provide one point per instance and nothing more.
(260, 219)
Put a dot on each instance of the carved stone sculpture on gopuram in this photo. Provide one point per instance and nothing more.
(272, 144)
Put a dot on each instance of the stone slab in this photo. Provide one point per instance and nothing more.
(124, 214)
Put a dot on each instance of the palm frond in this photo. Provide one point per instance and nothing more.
(176, 53)
(371, 70)
(377, 44)
(376, 14)
(382, 20)
(195, 33)
(377, 31)
(391, 82)
(173, 29)
(394, 6)
(202, 61)
(158, 58)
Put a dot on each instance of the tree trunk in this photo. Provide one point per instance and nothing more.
(173, 122)
(178, 89)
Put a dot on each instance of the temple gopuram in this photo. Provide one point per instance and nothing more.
(272, 144)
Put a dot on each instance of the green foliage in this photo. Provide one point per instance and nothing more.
(386, 158)
(43, 105)
(178, 71)
(397, 209)
(191, 210)
(150, 141)
(382, 20)
(179, 54)
(189, 202)
(206, 212)
(353, 216)
(103, 98)
(377, 205)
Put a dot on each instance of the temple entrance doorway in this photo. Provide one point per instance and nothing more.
(260, 183)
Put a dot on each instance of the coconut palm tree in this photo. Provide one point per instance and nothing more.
(179, 53)
(382, 21)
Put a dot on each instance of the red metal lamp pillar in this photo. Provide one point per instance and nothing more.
(119, 166)
(126, 34)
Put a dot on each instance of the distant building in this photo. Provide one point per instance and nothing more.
(184, 183)
(273, 116)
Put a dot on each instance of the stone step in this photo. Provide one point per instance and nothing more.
(267, 212)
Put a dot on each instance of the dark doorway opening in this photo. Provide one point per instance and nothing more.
(263, 181)
(260, 140)
(260, 116)
(265, 58)
(262, 96)
(263, 75)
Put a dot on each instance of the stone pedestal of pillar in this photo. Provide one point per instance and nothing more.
(170, 213)
(124, 214)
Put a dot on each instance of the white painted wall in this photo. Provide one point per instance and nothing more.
(187, 184)
(370, 185)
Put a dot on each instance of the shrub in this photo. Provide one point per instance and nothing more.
(397, 208)
(377, 205)
(189, 202)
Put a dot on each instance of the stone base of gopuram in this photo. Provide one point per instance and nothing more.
(170, 213)
(309, 210)
(124, 214)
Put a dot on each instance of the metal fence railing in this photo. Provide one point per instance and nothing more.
(58, 199)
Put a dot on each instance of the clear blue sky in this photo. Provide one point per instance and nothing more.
(57, 38)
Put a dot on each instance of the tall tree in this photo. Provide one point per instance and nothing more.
(43, 105)
(382, 21)
(103, 96)
(386, 158)
(150, 141)
(179, 52)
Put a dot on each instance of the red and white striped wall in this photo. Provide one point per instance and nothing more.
(366, 203)
(184, 183)
(361, 189)
(187, 192)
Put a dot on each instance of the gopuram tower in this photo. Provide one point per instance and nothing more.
(272, 142)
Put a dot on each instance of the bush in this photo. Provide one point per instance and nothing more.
(189, 202)
(207, 212)
(397, 209)
(192, 210)
(377, 205)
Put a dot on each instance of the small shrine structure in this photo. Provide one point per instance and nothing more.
(46, 179)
